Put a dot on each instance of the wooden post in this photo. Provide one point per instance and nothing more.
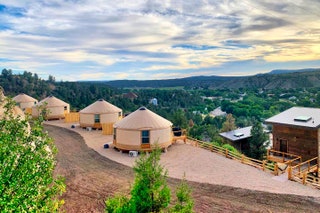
(227, 153)
(289, 172)
(263, 165)
(276, 169)
(242, 158)
(304, 178)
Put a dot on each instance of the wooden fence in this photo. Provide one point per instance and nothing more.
(72, 117)
(283, 157)
(107, 128)
(263, 165)
(305, 172)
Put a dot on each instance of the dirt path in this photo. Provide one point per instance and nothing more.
(90, 178)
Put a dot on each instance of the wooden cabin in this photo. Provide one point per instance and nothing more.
(297, 131)
(56, 108)
(142, 129)
(98, 113)
(25, 102)
(238, 138)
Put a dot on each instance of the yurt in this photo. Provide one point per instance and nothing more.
(98, 113)
(16, 111)
(25, 102)
(56, 108)
(140, 130)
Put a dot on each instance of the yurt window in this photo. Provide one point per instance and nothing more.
(97, 118)
(65, 107)
(145, 136)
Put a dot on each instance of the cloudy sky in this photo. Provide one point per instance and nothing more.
(157, 39)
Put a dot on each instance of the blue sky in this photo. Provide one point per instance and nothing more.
(157, 39)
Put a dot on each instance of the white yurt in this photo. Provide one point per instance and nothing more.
(98, 113)
(25, 102)
(16, 111)
(56, 108)
(140, 130)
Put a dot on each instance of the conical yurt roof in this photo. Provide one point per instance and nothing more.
(100, 107)
(143, 118)
(52, 102)
(23, 98)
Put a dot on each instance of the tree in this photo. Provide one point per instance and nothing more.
(150, 192)
(185, 201)
(27, 162)
(258, 142)
(229, 124)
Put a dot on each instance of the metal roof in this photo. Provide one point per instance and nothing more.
(297, 116)
(237, 134)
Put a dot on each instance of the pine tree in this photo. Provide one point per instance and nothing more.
(258, 142)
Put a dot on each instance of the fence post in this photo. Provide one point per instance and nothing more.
(242, 158)
(289, 172)
(304, 178)
(227, 153)
(276, 169)
(263, 165)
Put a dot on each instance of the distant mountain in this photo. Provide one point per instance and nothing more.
(196, 81)
(293, 71)
(275, 79)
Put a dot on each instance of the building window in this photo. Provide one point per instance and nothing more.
(65, 107)
(97, 118)
(145, 139)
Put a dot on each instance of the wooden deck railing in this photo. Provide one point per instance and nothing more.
(301, 172)
(263, 165)
(283, 157)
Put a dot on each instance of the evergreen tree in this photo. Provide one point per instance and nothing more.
(150, 192)
(258, 142)
(185, 201)
(27, 161)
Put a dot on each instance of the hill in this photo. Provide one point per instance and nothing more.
(275, 79)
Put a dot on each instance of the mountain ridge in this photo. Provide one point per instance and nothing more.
(299, 78)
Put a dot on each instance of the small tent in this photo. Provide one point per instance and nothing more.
(55, 108)
(98, 113)
(25, 102)
(141, 129)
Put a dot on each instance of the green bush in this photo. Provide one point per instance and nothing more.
(230, 148)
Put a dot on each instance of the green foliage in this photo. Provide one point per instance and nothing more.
(27, 162)
(185, 201)
(150, 192)
(118, 204)
(258, 142)
(229, 124)
(230, 148)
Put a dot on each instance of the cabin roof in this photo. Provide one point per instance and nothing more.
(237, 134)
(297, 116)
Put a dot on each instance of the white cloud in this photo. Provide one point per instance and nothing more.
(143, 35)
